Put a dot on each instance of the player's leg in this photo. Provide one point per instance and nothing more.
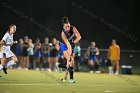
(113, 66)
(23, 63)
(26, 63)
(53, 64)
(11, 59)
(37, 63)
(1, 66)
(50, 63)
(109, 66)
(117, 67)
(64, 51)
(67, 56)
(91, 65)
(71, 69)
(19, 61)
(70, 62)
(57, 65)
(1, 56)
(96, 64)
(45, 61)
(10, 56)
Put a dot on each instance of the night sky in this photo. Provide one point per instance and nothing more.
(40, 18)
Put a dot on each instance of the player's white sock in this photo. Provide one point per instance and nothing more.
(1, 67)
(117, 72)
(10, 63)
(110, 70)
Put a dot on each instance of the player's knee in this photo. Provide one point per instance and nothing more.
(71, 69)
(14, 58)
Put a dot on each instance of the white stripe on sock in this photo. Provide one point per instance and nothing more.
(1, 67)
(10, 63)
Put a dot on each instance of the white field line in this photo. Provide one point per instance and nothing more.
(41, 84)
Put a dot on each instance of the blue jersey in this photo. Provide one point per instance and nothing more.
(18, 50)
(92, 54)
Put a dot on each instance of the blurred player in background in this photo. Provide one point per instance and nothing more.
(46, 52)
(25, 62)
(53, 54)
(31, 54)
(114, 57)
(38, 54)
(77, 56)
(92, 53)
(19, 52)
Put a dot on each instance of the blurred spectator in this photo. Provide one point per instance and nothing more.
(92, 53)
(46, 52)
(38, 55)
(31, 54)
(19, 52)
(59, 58)
(53, 54)
(25, 63)
(77, 55)
(114, 57)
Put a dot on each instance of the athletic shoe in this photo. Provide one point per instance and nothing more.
(71, 81)
(117, 73)
(91, 71)
(37, 69)
(5, 70)
(26, 68)
(49, 70)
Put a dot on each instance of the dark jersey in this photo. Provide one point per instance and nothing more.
(25, 47)
(45, 47)
(70, 35)
(92, 51)
(53, 51)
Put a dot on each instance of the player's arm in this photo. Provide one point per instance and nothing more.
(49, 49)
(4, 39)
(0, 42)
(108, 54)
(66, 42)
(42, 48)
(77, 34)
(15, 42)
(118, 49)
(97, 53)
(87, 52)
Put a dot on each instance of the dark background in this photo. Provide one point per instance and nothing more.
(46, 20)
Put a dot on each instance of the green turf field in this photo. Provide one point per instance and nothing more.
(20, 81)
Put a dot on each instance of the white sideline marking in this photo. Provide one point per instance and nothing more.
(22, 84)
(62, 85)
(109, 91)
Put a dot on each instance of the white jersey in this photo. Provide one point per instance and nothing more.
(8, 38)
(1, 53)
